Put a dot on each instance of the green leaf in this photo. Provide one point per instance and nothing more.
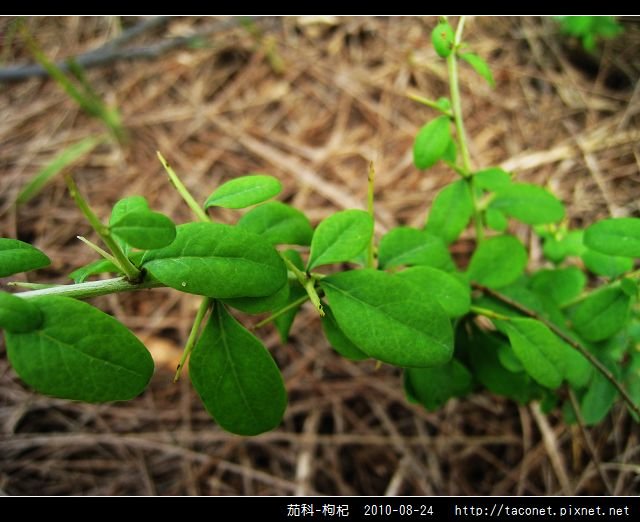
(278, 223)
(410, 246)
(562, 284)
(433, 387)
(338, 340)
(144, 229)
(389, 320)
(498, 261)
(496, 220)
(442, 38)
(340, 237)
(557, 249)
(453, 294)
(629, 286)
(127, 205)
(450, 212)
(483, 354)
(62, 160)
(100, 266)
(602, 314)
(528, 203)
(244, 191)
(605, 265)
(217, 260)
(236, 377)
(18, 315)
(432, 142)
(600, 396)
(479, 66)
(538, 349)
(615, 237)
(492, 179)
(17, 256)
(80, 353)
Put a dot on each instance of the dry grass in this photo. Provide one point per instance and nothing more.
(222, 110)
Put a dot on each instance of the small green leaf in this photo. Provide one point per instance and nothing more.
(450, 212)
(338, 340)
(528, 203)
(442, 38)
(479, 66)
(144, 229)
(433, 387)
(539, 350)
(236, 377)
(410, 246)
(498, 261)
(496, 220)
(340, 237)
(80, 353)
(629, 286)
(492, 179)
(244, 191)
(600, 396)
(17, 256)
(278, 223)
(217, 260)
(389, 320)
(453, 294)
(615, 237)
(557, 250)
(606, 265)
(432, 142)
(602, 314)
(18, 315)
(100, 266)
(127, 205)
(562, 284)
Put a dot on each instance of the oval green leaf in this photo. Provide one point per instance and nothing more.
(450, 291)
(244, 191)
(340, 237)
(18, 315)
(529, 203)
(338, 340)
(410, 246)
(127, 205)
(442, 38)
(388, 320)
(562, 285)
(217, 260)
(606, 265)
(278, 223)
(144, 229)
(498, 261)
(18, 256)
(236, 377)
(615, 237)
(479, 66)
(433, 387)
(602, 314)
(432, 142)
(450, 212)
(492, 179)
(80, 353)
(496, 220)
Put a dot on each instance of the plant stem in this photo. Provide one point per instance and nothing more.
(90, 288)
(489, 313)
(132, 272)
(98, 250)
(183, 191)
(308, 283)
(456, 109)
(193, 335)
(595, 362)
(282, 310)
(370, 202)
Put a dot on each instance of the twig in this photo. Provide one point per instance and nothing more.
(111, 52)
(595, 362)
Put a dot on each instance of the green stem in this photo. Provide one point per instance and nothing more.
(370, 203)
(456, 108)
(283, 310)
(91, 288)
(595, 362)
(193, 335)
(98, 250)
(182, 190)
(31, 286)
(489, 313)
(132, 272)
(308, 283)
